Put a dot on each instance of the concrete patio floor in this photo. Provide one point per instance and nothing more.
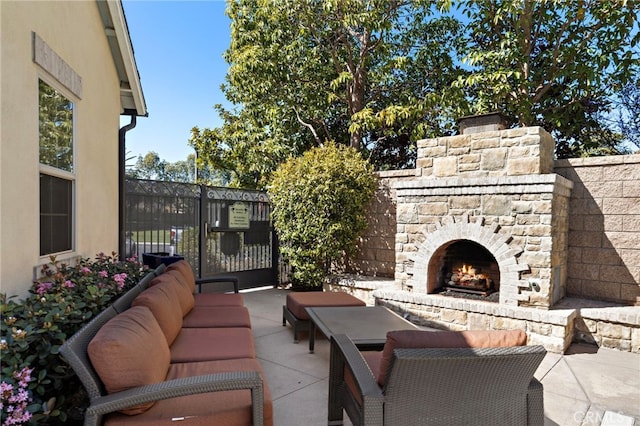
(586, 386)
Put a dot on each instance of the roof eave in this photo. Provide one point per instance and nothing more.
(117, 32)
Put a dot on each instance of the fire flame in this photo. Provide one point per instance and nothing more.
(470, 277)
(467, 269)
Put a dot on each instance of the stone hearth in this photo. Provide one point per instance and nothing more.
(601, 323)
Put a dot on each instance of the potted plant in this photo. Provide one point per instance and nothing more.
(319, 202)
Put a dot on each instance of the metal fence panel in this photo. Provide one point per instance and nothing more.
(218, 230)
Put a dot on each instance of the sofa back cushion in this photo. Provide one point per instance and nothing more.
(162, 301)
(177, 275)
(128, 351)
(182, 292)
(184, 268)
(446, 339)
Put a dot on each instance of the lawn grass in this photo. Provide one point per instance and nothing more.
(152, 236)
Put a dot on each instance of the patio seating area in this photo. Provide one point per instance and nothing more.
(585, 386)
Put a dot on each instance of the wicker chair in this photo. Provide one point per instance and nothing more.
(462, 386)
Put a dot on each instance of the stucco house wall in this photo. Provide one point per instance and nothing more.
(73, 51)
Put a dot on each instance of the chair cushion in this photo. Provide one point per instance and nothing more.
(182, 292)
(211, 344)
(163, 302)
(373, 359)
(218, 299)
(130, 350)
(186, 271)
(446, 339)
(218, 408)
(297, 301)
(217, 316)
(180, 278)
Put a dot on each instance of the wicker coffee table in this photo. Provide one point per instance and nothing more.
(366, 326)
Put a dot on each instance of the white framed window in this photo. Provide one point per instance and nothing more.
(57, 177)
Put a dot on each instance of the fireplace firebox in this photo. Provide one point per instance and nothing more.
(468, 267)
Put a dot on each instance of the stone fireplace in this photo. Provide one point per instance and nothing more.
(560, 249)
(486, 217)
(486, 203)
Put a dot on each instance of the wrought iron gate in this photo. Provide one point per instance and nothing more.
(219, 231)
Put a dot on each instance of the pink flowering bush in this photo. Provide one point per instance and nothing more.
(33, 329)
(14, 398)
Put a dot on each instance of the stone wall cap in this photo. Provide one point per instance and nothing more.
(535, 179)
(557, 317)
(397, 173)
(608, 160)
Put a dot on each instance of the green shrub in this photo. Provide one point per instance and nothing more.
(319, 202)
(33, 329)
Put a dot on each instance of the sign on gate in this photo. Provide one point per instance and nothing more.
(239, 216)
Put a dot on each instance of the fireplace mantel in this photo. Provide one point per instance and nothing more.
(485, 185)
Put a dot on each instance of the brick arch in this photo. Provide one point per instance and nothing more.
(499, 245)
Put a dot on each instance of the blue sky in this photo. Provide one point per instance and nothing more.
(178, 48)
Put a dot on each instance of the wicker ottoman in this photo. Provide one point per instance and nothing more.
(294, 311)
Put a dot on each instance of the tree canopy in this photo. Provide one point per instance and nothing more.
(627, 119)
(151, 166)
(380, 74)
(553, 63)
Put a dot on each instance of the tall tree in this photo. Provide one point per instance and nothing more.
(151, 166)
(553, 63)
(148, 167)
(302, 72)
(380, 74)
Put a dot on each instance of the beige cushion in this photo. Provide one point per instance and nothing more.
(161, 299)
(130, 350)
(446, 339)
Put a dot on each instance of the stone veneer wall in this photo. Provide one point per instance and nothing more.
(376, 256)
(513, 152)
(604, 227)
(487, 154)
(603, 263)
(553, 329)
(522, 220)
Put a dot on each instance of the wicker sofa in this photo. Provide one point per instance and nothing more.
(164, 353)
(437, 378)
